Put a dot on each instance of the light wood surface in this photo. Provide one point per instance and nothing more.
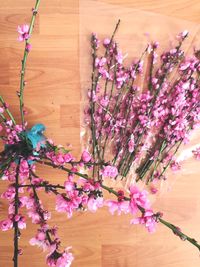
(52, 96)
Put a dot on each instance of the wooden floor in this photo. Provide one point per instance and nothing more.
(56, 73)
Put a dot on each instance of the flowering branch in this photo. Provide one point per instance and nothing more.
(176, 230)
(16, 229)
(26, 36)
(157, 215)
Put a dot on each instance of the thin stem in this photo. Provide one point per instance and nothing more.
(112, 37)
(151, 70)
(43, 185)
(22, 81)
(16, 229)
(165, 168)
(7, 110)
(178, 232)
(62, 168)
(156, 162)
(39, 208)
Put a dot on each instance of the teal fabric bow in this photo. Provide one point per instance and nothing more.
(35, 135)
(36, 138)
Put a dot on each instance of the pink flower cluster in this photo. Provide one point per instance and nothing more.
(12, 133)
(138, 202)
(148, 219)
(109, 171)
(54, 258)
(83, 195)
(59, 158)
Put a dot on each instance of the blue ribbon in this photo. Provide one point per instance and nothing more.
(35, 135)
(37, 139)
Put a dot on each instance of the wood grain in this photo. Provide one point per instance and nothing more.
(52, 96)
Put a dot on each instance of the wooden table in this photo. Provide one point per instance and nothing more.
(52, 96)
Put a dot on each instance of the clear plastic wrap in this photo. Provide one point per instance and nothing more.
(136, 30)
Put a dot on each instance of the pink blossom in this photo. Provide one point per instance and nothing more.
(104, 72)
(1, 110)
(6, 225)
(95, 203)
(155, 44)
(69, 186)
(9, 194)
(70, 203)
(10, 173)
(104, 101)
(92, 95)
(100, 62)
(11, 209)
(24, 170)
(51, 260)
(182, 35)
(106, 41)
(147, 219)
(86, 157)
(47, 215)
(28, 47)
(56, 259)
(196, 153)
(153, 189)
(175, 166)
(131, 144)
(59, 158)
(20, 221)
(65, 260)
(68, 157)
(23, 30)
(39, 240)
(36, 181)
(109, 171)
(118, 206)
(28, 202)
(119, 57)
(184, 66)
(138, 198)
(89, 185)
(35, 217)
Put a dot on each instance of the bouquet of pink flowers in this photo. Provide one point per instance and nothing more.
(137, 122)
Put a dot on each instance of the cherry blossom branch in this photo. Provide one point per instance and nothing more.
(39, 208)
(43, 184)
(175, 229)
(16, 229)
(24, 61)
(62, 168)
(94, 86)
